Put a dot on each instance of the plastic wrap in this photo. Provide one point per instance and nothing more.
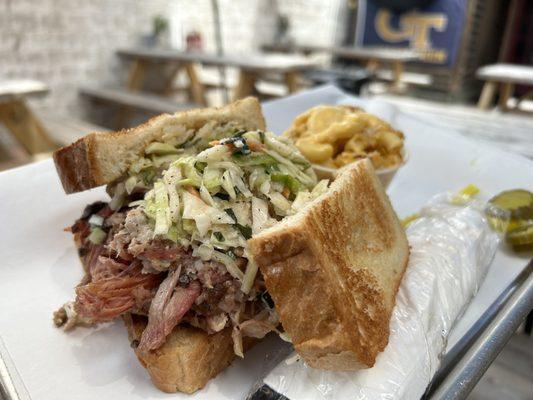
(452, 246)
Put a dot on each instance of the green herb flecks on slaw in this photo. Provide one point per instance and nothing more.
(213, 193)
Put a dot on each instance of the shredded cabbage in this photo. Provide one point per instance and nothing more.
(281, 148)
(260, 217)
(228, 184)
(212, 195)
(216, 153)
(204, 251)
(212, 178)
(302, 198)
(171, 177)
(239, 184)
(162, 161)
(293, 169)
(118, 197)
(206, 196)
(97, 235)
(241, 209)
(130, 184)
(139, 165)
(204, 215)
(187, 165)
(265, 187)
(280, 202)
(249, 276)
(229, 263)
(162, 210)
(96, 220)
(320, 188)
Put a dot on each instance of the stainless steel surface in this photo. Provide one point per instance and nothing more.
(454, 355)
(283, 352)
(11, 386)
(472, 364)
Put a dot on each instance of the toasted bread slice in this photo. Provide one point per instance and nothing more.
(187, 360)
(333, 271)
(100, 158)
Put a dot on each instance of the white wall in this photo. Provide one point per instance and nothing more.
(66, 43)
(69, 42)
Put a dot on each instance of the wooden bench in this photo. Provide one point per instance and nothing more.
(140, 100)
(21, 88)
(62, 130)
(30, 137)
(503, 77)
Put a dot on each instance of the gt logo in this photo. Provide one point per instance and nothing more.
(414, 27)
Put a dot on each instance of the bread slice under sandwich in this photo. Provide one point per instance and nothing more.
(190, 357)
(187, 360)
(333, 271)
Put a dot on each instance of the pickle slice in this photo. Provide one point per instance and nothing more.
(523, 213)
(520, 236)
(513, 201)
(523, 248)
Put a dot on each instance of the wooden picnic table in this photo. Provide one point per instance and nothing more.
(503, 77)
(18, 118)
(373, 55)
(251, 67)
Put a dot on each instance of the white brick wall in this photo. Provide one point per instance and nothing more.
(69, 42)
(312, 21)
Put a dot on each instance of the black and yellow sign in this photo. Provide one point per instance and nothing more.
(434, 30)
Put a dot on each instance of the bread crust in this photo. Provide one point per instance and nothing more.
(187, 360)
(333, 271)
(100, 158)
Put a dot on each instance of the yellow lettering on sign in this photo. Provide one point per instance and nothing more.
(386, 32)
(415, 27)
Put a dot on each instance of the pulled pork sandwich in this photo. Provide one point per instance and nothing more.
(170, 252)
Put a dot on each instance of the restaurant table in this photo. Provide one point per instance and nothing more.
(18, 118)
(251, 68)
(373, 55)
(503, 77)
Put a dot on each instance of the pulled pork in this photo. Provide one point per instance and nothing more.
(130, 271)
(168, 307)
(115, 289)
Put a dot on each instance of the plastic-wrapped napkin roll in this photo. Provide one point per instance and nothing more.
(451, 249)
